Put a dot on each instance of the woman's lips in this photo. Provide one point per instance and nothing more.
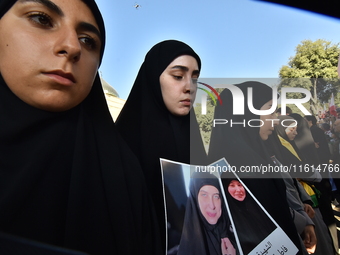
(211, 215)
(61, 77)
(186, 102)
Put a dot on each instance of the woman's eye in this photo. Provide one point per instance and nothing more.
(41, 19)
(177, 77)
(88, 41)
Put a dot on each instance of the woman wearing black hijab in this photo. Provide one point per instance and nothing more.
(155, 128)
(206, 225)
(242, 146)
(286, 150)
(289, 152)
(66, 176)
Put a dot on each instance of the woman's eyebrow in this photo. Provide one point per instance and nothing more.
(185, 69)
(48, 4)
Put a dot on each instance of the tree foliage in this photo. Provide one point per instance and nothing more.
(205, 121)
(314, 67)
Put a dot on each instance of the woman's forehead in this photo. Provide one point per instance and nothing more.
(207, 188)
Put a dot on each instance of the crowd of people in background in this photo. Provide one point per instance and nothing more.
(325, 130)
(330, 125)
(319, 148)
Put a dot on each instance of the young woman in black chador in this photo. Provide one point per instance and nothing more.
(242, 146)
(207, 228)
(66, 176)
(157, 120)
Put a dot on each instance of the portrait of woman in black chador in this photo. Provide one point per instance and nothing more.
(67, 178)
(252, 225)
(207, 228)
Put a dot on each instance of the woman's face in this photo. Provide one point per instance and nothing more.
(291, 131)
(236, 190)
(267, 128)
(210, 203)
(49, 52)
(178, 84)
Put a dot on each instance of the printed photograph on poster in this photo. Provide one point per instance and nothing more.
(197, 218)
(255, 230)
(205, 218)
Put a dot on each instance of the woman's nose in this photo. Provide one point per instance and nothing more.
(211, 204)
(68, 45)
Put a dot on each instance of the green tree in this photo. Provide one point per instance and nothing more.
(314, 67)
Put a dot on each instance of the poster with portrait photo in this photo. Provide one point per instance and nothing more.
(196, 215)
(255, 230)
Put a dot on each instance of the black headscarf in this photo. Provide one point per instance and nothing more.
(199, 236)
(320, 138)
(252, 225)
(242, 146)
(68, 179)
(150, 129)
(284, 122)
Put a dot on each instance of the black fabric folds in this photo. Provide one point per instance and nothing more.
(319, 137)
(225, 139)
(150, 129)
(304, 140)
(241, 145)
(69, 179)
